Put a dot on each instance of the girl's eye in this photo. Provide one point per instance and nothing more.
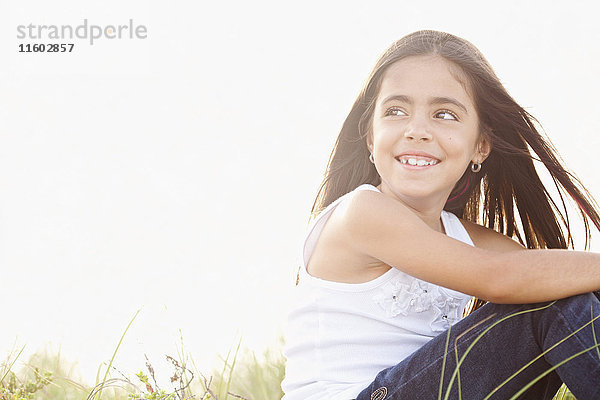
(394, 111)
(447, 115)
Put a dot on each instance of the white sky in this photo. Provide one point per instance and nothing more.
(177, 173)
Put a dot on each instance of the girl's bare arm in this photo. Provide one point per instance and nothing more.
(385, 229)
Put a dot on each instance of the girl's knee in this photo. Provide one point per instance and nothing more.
(578, 303)
(578, 309)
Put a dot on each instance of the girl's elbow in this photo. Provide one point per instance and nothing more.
(502, 286)
(492, 292)
(500, 295)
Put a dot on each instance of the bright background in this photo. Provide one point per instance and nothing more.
(176, 174)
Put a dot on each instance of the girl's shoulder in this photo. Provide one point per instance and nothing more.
(489, 239)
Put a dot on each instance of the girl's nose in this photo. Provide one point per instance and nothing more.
(417, 129)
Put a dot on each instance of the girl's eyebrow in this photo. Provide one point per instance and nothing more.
(432, 100)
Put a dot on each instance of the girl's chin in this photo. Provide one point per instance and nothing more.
(418, 195)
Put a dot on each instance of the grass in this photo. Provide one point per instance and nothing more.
(48, 376)
(242, 375)
(256, 377)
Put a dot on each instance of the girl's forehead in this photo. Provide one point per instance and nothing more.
(426, 75)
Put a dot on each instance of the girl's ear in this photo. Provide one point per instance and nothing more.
(484, 147)
(369, 142)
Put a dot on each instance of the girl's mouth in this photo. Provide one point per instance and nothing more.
(417, 161)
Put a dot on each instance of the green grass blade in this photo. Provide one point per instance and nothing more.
(593, 331)
(11, 365)
(115, 352)
(457, 370)
(225, 364)
(562, 392)
(444, 363)
(534, 381)
(232, 367)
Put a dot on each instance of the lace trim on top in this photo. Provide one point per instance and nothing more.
(405, 294)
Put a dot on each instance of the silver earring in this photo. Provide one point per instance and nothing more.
(371, 158)
(476, 167)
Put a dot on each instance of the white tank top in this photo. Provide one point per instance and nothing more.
(338, 336)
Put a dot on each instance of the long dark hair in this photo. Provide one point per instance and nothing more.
(507, 181)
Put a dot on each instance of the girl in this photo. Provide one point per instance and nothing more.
(433, 150)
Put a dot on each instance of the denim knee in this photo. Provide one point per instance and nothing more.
(586, 302)
(572, 313)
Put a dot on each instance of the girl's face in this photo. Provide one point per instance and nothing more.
(425, 131)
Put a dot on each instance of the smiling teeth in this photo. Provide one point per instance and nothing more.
(414, 161)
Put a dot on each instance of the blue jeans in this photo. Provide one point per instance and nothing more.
(505, 348)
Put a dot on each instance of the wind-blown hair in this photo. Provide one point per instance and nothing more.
(507, 194)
